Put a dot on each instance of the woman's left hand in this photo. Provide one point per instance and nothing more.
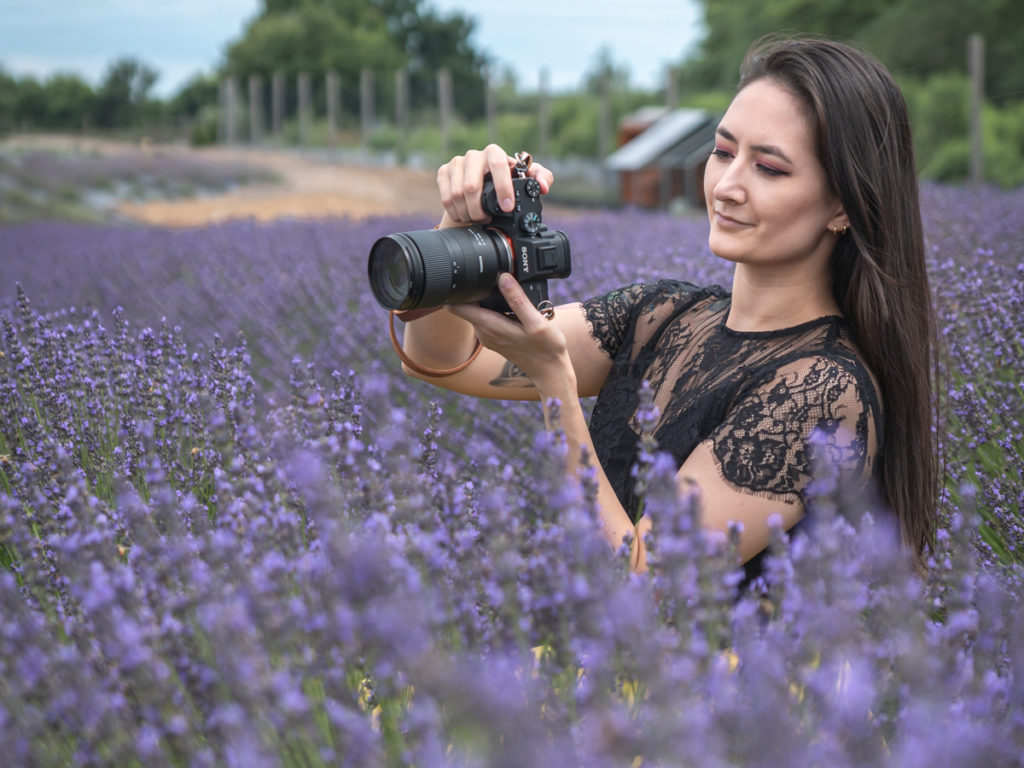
(533, 343)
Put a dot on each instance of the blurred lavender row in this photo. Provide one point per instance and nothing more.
(232, 533)
(85, 182)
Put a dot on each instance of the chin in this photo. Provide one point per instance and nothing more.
(724, 249)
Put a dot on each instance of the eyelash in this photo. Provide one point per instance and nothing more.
(724, 154)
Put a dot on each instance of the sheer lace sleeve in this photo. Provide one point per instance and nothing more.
(612, 315)
(609, 315)
(764, 445)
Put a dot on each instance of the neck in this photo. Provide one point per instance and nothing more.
(768, 299)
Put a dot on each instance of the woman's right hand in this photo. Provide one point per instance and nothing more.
(461, 182)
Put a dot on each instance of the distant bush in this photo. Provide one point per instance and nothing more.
(939, 115)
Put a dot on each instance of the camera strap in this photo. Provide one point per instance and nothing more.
(422, 369)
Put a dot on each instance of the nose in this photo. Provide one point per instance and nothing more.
(727, 182)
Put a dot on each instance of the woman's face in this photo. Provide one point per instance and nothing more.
(765, 188)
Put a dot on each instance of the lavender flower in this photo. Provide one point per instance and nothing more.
(273, 548)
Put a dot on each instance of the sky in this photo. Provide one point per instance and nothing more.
(181, 38)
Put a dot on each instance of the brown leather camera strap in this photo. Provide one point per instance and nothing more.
(410, 315)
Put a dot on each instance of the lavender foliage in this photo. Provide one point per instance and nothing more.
(232, 533)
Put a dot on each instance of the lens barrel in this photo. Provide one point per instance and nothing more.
(431, 267)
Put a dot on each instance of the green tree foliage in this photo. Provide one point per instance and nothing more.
(430, 43)
(924, 43)
(66, 102)
(605, 73)
(312, 38)
(8, 101)
(913, 37)
(69, 102)
(315, 36)
(198, 92)
(122, 97)
(29, 103)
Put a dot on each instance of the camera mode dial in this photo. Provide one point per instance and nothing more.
(530, 223)
(532, 187)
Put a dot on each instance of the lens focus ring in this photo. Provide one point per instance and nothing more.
(437, 267)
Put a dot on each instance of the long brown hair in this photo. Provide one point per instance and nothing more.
(859, 119)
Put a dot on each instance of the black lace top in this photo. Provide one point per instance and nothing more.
(755, 397)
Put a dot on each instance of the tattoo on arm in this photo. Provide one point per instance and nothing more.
(512, 376)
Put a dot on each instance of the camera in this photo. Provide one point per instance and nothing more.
(428, 268)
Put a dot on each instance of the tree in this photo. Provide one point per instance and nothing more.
(124, 93)
(198, 92)
(913, 37)
(70, 102)
(292, 36)
(605, 73)
(8, 102)
(29, 103)
(430, 43)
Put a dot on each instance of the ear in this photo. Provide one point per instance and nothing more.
(839, 219)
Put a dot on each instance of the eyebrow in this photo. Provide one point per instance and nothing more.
(768, 149)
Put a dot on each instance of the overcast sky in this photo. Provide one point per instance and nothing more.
(180, 38)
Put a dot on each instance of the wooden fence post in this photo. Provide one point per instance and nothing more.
(544, 115)
(604, 130)
(255, 109)
(366, 115)
(490, 107)
(444, 97)
(277, 103)
(231, 110)
(402, 111)
(222, 112)
(333, 106)
(976, 68)
(671, 87)
(305, 107)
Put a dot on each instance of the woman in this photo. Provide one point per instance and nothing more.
(828, 330)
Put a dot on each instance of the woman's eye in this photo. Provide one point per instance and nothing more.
(770, 171)
(721, 153)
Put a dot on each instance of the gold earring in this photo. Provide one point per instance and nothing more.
(839, 232)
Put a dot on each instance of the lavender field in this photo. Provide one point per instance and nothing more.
(233, 533)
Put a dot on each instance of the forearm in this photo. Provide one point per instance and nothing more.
(615, 522)
(439, 340)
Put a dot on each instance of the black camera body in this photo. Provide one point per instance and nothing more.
(429, 268)
(537, 254)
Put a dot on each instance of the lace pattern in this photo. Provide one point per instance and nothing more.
(761, 400)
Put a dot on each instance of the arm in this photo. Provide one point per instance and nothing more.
(540, 350)
(759, 460)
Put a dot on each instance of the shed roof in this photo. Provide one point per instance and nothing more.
(663, 134)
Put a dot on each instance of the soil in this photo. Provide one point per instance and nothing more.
(307, 188)
(305, 185)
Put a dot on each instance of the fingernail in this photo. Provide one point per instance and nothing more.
(504, 280)
(507, 203)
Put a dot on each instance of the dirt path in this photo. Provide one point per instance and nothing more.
(309, 185)
(307, 189)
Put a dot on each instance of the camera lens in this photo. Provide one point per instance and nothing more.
(433, 267)
(390, 273)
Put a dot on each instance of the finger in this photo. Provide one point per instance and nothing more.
(543, 175)
(500, 165)
(520, 303)
(444, 188)
(449, 183)
(476, 167)
(494, 329)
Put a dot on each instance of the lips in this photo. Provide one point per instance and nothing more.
(728, 221)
